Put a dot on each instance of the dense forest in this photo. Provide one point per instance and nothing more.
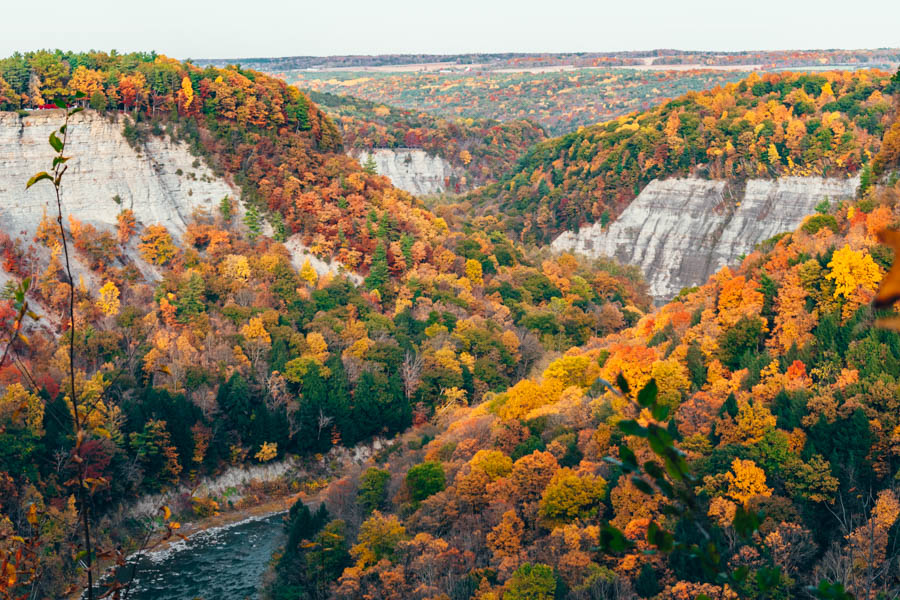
(482, 149)
(550, 435)
(213, 351)
(773, 125)
(750, 451)
(559, 100)
(878, 58)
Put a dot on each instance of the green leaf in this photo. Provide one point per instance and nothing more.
(56, 142)
(38, 177)
(62, 129)
(57, 160)
(613, 540)
(59, 102)
(632, 427)
(660, 412)
(629, 460)
(647, 396)
(745, 522)
(623, 384)
(75, 111)
(768, 579)
(642, 485)
(80, 94)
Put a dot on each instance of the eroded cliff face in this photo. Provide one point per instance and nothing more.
(411, 169)
(681, 231)
(162, 182)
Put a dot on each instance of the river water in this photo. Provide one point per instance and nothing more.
(224, 563)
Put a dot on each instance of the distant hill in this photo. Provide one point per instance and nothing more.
(559, 99)
(880, 57)
(482, 150)
(768, 125)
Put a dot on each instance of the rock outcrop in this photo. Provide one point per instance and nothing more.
(681, 231)
(162, 182)
(411, 169)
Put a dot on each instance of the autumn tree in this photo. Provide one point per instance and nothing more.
(157, 246)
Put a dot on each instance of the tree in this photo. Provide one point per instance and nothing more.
(570, 496)
(154, 449)
(370, 166)
(425, 479)
(474, 272)
(253, 221)
(379, 536)
(225, 208)
(308, 274)
(267, 452)
(851, 269)
(99, 102)
(493, 462)
(126, 225)
(109, 299)
(746, 481)
(373, 489)
(378, 272)
(505, 539)
(531, 582)
(531, 474)
(157, 246)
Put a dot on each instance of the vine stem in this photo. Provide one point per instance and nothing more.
(58, 170)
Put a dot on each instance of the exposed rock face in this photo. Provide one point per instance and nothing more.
(411, 169)
(681, 231)
(300, 254)
(103, 166)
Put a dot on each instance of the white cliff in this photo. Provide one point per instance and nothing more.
(411, 169)
(300, 253)
(162, 183)
(681, 231)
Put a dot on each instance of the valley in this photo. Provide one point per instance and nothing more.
(506, 326)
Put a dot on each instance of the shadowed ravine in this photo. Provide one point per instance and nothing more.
(224, 563)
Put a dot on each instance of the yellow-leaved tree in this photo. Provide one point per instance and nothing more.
(267, 452)
(308, 273)
(746, 481)
(157, 246)
(851, 269)
(474, 271)
(109, 299)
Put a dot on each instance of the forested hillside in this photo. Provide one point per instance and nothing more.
(208, 351)
(767, 125)
(755, 454)
(560, 100)
(481, 148)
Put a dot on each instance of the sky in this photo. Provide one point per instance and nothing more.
(229, 29)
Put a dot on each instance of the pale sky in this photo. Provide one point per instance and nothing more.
(255, 28)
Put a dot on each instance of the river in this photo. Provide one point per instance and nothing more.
(223, 563)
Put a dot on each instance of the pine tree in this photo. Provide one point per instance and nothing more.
(225, 209)
(252, 221)
(378, 273)
(370, 166)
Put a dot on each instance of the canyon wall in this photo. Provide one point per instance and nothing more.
(411, 169)
(681, 231)
(161, 182)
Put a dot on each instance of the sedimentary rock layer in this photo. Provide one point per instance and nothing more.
(680, 231)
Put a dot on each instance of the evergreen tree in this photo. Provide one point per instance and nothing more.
(226, 209)
(378, 272)
(253, 222)
(370, 166)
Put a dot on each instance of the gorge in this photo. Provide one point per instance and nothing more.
(681, 231)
